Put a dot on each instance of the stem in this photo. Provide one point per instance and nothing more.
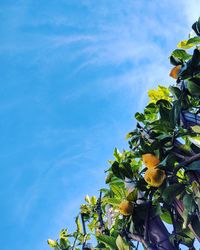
(84, 231)
(73, 247)
(100, 215)
(146, 227)
(99, 211)
(138, 238)
(173, 217)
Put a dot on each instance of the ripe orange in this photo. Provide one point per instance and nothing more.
(174, 72)
(154, 177)
(126, 208)
(150, 160)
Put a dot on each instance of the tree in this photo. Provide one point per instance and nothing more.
(157, 181)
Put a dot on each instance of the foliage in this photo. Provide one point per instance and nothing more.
(132, 208)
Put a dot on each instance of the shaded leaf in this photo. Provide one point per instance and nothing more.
(170, 193)
(195, 165)
(196, 225)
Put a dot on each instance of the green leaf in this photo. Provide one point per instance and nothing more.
(188, 202)
(195, 165)
(186, 237)
(109, 241)
(52, 243)
(181, 54)
(132, 196)
(140, 117)
(119, 193)
(193, 86)
(170, 193)
(195, 140)
(196, 27)
(175, 61)
(78, 224)
(122, 244)
(166, 217)
(167, 163)
(184, 45)
(125, 168)
(87, 199)
(176, 92)
(111, 201)
(109, 177)
(93, 200)
(196, 129)
(117, 155)
(193, 41)
(196, 225)
(175, 113)
(162, 93)
(116, 170)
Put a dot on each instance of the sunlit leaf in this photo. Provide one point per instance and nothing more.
(122, 244)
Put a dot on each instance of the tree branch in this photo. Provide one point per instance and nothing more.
(186, 162)
(138, 238)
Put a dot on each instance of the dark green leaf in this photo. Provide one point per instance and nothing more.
(175, 113)
(196, 225)
(176, 92)
(140, 117)
(196, 27)
(193, 86)
(170, 193)
(175, 61)
(116, 170)
(195, 165)
(188, 202)
(125, 168)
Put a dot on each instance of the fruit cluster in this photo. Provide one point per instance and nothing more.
(153, 176)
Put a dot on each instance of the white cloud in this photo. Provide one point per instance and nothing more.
(191, 10)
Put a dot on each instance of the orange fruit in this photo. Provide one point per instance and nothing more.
(154, 177)
(126, 208)
(150, 160)
(174, 72)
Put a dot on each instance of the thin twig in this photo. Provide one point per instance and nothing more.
(173, 217)
(74, 244)
(84, 231)
(100, 214)
(138, 238)
(146, 226)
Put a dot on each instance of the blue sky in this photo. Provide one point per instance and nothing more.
(73, 73)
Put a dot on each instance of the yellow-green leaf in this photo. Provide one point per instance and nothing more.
(52, 243)
(184, 45)
(196, 129)
(158, 94)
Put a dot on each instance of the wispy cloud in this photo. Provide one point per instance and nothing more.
(114, 53)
